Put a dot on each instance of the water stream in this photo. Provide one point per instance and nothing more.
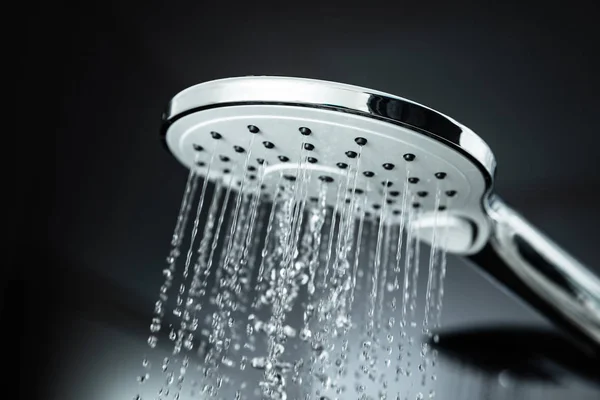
(287, 297)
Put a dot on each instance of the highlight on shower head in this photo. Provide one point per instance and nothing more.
(391, 143)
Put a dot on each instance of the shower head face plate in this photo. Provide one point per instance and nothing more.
(287, 126)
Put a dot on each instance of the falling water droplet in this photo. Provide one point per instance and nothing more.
(152, 341)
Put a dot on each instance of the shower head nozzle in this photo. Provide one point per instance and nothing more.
(326, 126)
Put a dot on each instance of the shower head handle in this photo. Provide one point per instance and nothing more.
(538, 271)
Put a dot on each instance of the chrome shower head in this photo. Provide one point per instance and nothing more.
(327, 126)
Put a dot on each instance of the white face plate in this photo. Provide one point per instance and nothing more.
(332, 135)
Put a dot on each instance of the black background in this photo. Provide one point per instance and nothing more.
(93, 195)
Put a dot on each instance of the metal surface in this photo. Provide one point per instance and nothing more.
(538, 271)
(504, 244)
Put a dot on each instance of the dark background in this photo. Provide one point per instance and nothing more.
(94, 195)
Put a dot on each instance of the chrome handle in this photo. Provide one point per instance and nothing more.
(542, 274)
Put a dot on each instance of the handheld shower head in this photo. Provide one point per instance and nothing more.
(398, 141)
(286, 122)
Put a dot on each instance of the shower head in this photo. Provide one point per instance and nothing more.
(326, 126)
(393, 143)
